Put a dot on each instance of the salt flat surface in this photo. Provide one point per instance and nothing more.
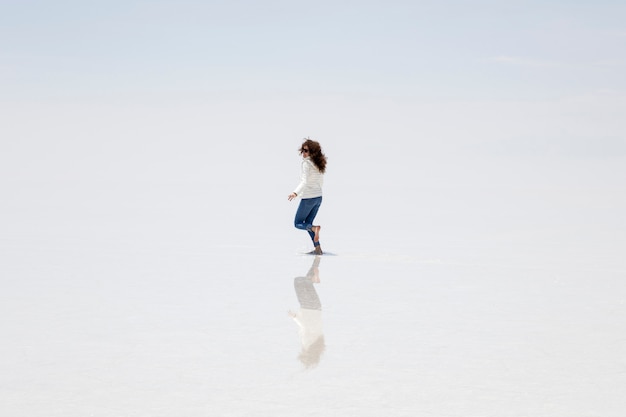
(141, 308)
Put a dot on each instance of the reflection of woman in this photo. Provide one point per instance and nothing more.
(309, 317)
(310, 190)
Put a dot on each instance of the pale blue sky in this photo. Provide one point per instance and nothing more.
(114, 89)
(435, 50)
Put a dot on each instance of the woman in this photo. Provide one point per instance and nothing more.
(310, 190)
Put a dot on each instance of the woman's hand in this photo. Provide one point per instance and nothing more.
(292, 196)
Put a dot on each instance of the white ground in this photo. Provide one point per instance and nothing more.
(147, 265)
(155, 299)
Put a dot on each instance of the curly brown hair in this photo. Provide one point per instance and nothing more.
(315, 153)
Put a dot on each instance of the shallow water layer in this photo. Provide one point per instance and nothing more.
(91, 329)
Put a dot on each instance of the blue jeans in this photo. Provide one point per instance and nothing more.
(307, 210)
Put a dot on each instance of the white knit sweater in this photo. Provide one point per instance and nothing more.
(311, 180)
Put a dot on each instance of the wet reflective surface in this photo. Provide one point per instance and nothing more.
(241, 331)
(127, 299)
